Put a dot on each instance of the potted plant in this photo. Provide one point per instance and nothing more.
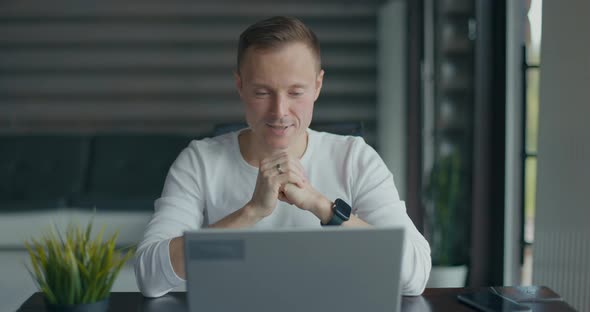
(447, 221)
(76, 272)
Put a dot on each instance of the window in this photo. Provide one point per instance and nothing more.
(531, 68)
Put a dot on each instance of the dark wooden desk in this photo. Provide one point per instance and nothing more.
(539, 298)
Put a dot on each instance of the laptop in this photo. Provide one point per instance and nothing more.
(330, 269)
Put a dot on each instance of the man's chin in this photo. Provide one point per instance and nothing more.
(279, 144)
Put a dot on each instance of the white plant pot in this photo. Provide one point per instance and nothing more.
(447, 276)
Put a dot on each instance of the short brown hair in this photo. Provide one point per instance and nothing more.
(274, 33)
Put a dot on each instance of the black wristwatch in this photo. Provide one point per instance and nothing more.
(341, 213)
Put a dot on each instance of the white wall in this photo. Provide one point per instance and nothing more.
(561, 247)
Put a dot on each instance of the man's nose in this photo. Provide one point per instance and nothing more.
(280, 105)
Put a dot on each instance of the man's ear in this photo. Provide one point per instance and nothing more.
(318, 84)
(238, 82)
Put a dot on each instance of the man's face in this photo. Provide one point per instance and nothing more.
(279, 88)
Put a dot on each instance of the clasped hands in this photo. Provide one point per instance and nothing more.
(281, 177)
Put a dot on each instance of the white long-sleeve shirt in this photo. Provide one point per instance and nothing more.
(210, 179)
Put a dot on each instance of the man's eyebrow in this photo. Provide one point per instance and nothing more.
(295, 85)
(259, 85)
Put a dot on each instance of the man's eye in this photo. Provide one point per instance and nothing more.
(296, 93)
(261, 93)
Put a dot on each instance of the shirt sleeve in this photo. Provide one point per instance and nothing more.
(377, 202)
(180, 208)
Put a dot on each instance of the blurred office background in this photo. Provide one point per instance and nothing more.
(478, 117)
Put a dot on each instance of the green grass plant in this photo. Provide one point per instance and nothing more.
(75, 269)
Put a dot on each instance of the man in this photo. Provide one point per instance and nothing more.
(276, 173)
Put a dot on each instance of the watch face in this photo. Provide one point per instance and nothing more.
(342, 209)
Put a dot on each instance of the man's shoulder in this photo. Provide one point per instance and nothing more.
(212, 146)
(325, 139)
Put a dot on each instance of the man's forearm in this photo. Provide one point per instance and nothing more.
(355, 221)
(177, 256)
(241, 218)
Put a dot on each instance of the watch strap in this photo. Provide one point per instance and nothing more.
(335, 220)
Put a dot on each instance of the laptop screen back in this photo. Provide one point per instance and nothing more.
(330, 269)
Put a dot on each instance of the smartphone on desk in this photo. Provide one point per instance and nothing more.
(488, 301)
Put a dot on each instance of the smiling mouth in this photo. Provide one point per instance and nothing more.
(278, 127)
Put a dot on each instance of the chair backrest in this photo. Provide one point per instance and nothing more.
(343, 128)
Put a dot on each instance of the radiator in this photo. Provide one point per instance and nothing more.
(561, 261)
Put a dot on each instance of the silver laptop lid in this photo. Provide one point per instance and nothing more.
(330, 269)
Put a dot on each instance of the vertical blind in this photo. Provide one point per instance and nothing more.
(165, 65)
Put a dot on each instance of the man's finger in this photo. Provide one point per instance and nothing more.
(272, 165)
(269, 161)
(297, 164)
(293, 177)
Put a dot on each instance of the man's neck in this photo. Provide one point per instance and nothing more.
(254, 151)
